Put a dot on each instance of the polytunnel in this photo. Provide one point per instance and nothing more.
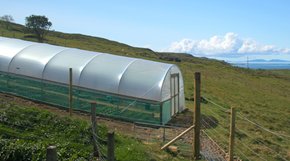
(124, 88)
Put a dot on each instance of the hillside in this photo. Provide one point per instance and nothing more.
(262, 96)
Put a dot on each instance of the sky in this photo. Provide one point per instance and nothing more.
(222, 29)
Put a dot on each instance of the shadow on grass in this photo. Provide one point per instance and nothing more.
(208, 122)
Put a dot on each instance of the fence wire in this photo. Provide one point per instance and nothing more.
(253, 141)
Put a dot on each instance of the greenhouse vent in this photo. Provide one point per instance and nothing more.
(124, 88)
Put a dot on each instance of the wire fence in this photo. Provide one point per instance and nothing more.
(253, 141)
(215, 131)
(101, 148)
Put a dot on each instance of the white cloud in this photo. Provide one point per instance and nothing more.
(230, 43)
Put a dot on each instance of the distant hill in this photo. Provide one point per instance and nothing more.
(279, 60)
(268, 61)
(258, 60)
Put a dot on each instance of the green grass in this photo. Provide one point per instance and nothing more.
(26, 132)
(263, 96)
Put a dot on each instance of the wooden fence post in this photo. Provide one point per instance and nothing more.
(111, 146)
(196, 121)
(94, 128)
(51, 154)
(232, 134)
(164, 137)
(70, 91)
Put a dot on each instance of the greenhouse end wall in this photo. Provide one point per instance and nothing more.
(109, 105)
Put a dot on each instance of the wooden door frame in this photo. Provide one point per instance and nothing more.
(174, 93)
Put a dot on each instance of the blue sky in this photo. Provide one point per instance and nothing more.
(222, 29)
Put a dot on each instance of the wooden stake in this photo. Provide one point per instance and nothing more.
(94, 128)
(51, 154)
(111, 146)
(163, 138)
(70, 91)
(232, 135)
(196, 119)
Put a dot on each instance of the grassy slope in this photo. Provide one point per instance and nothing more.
(262, 96)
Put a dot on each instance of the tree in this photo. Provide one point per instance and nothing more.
(7, 19)
(39, 25)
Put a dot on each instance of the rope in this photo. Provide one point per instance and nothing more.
(222, 107)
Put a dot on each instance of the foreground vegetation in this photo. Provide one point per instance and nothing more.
(26, 132)
(262, 96)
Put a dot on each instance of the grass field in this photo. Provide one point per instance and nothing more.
(262, 96)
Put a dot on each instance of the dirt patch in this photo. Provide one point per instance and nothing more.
(182, 119)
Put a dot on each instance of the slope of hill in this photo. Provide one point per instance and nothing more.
(260, 95)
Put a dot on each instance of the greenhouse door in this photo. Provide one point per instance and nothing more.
(174, 90)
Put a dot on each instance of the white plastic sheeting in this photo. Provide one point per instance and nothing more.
(8, 49)
(3, 38)
(104, 72)
(125, 76)
(145, 76)
(32, 60)
(57, 68)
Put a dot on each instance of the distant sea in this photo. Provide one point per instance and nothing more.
(260, 65)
